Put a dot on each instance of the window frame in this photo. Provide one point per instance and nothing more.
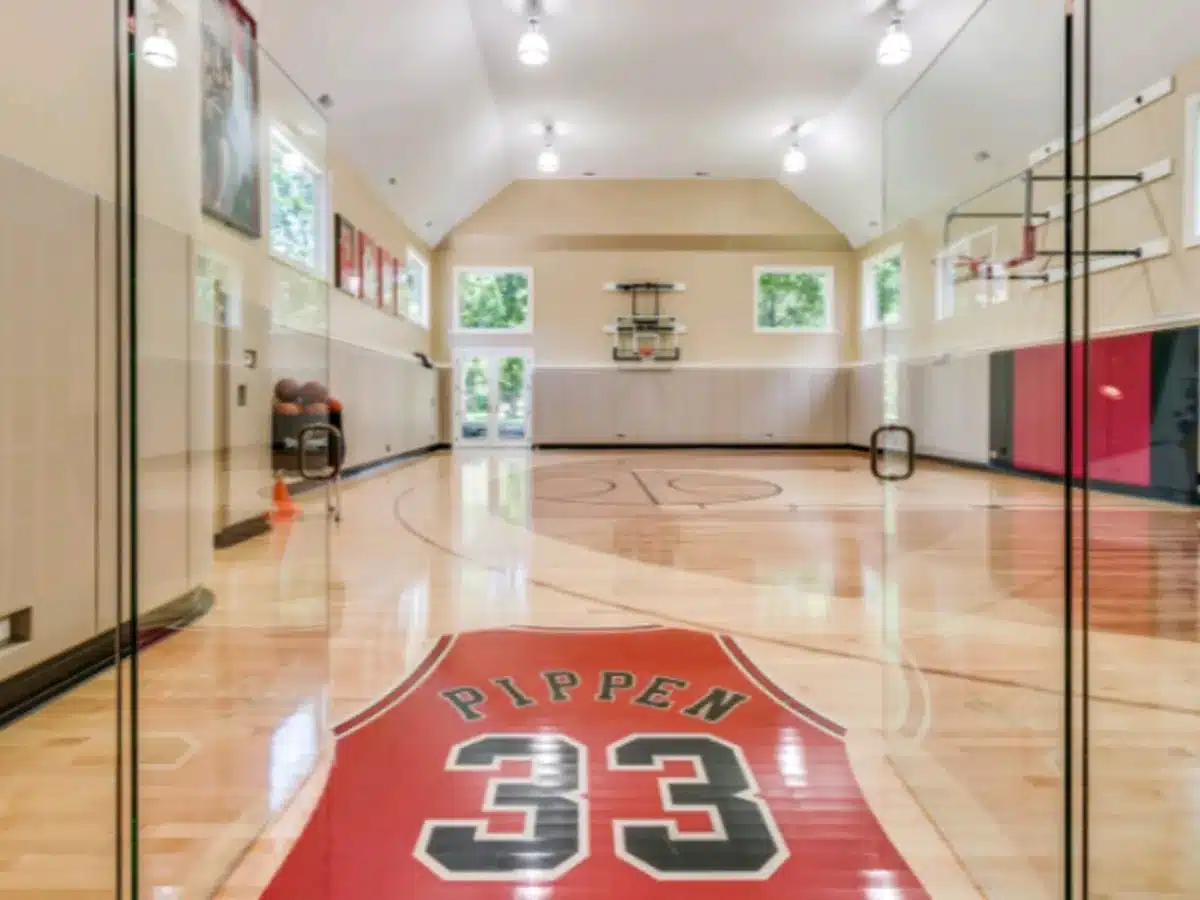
(830, 324)
(321, 250)
(411, 255)
(1191, 181)
(868, 298)
(525, 328)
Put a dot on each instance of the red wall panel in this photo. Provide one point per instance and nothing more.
(1038, 409)
(1120, 411)
(1119, 415)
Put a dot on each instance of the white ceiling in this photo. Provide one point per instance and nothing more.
(430, 92)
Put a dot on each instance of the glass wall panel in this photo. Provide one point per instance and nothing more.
(971, 377)
(1137, 389)
(61, 598)
(235, 440)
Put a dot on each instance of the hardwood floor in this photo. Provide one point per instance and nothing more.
(931, 630)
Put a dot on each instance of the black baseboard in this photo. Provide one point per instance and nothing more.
(705, 447)
(362, 469)
(33, 688)
(1166, 495)
(241, 531)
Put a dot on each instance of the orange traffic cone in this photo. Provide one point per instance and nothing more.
(283, 508)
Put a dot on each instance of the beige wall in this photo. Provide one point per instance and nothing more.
(59, 437)
(1155, 294)
(577, 236)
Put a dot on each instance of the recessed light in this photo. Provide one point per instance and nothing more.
(429, 224)
(983, 156)
(392, 180)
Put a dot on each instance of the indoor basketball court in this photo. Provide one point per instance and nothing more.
(577, 449)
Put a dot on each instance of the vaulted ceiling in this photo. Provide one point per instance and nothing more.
(430, 92)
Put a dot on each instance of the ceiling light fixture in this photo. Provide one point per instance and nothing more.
(558, 129)
(548, 162)
(896, 48)
(533, 48)
(159, 51)
(795, 161)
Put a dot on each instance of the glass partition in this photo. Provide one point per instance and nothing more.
(969, 366)
(236, 435)
(62, 598)
(1137, 388)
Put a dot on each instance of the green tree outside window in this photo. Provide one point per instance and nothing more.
(887, 289)
(294, 224)
(493, 300)
(792, 300)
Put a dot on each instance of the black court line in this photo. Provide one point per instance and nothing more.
(773, 490)
(696, 625)
(642, 485)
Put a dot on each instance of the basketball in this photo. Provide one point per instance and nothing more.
(335, 405)
(314, 392)
(317, 409)
(287, 409)
(287, 390)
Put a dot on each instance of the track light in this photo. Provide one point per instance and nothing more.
(159, 51)
(533, 48)
(896, 48)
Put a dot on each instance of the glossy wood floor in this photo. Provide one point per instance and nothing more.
(932, 630)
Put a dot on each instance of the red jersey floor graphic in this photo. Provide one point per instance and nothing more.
(538, 764)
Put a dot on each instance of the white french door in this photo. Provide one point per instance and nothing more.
(493, 393)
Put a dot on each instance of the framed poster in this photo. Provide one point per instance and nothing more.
(369, 257)
(229, 127)
(349, 272)
(387, 278)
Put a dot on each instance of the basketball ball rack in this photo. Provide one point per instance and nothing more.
(642, 339)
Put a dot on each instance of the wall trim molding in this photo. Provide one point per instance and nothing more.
(402, 355)
(664, 243)
(550, 446)
(34, 687)
(372, 467)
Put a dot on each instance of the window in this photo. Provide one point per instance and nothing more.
(414, 297)
(881, 288)
(793, 298)
(1191, 203)
(499, 299)
(297, 205)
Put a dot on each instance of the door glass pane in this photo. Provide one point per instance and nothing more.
(474, 399)
(231, 351)
(973, 362)
(61, 592)
(1139, 394)
(512, 391)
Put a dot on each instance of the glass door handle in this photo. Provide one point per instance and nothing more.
(909, 452)
(335, 450)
